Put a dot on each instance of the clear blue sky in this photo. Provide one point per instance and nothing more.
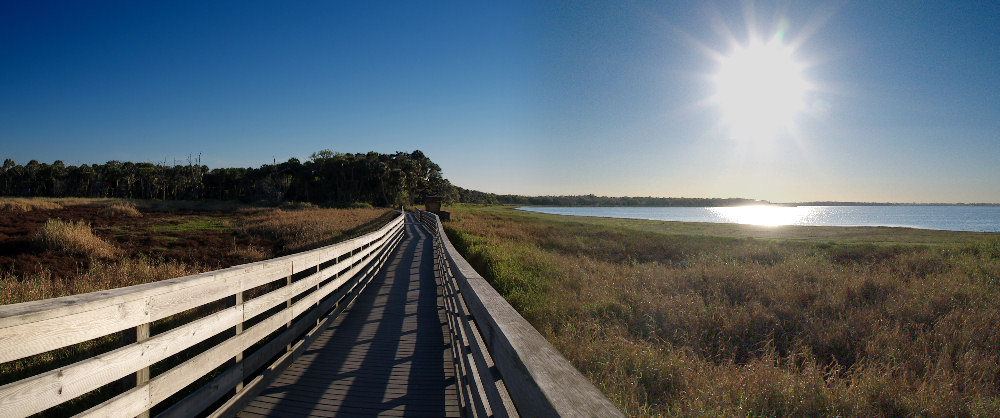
(610, 98)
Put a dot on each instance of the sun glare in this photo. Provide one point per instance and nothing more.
(764, 215)
(760, 89)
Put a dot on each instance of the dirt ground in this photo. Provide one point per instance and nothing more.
(203, 238)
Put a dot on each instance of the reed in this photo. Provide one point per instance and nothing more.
(681, 324)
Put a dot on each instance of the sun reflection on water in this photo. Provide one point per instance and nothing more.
(764, 215)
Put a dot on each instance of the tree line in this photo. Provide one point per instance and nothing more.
(327, 177)
(475, 196)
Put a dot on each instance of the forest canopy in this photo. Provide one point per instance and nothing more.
(327, 177)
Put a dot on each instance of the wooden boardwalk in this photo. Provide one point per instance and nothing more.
(386, 355)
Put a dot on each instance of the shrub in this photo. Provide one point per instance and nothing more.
(72, 237)
(353, 205)
(120, 209)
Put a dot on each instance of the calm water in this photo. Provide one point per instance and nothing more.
(953, 218)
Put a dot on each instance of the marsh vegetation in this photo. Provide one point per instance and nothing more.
(684, 319)
(58, 247)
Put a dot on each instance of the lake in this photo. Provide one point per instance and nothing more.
(951, 218)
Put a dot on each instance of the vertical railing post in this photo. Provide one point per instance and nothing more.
(231, 301)
(239, 356)
(142, 375)
(319, 318)
(288, 305)
(130, 336)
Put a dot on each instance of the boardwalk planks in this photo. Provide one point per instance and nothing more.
(387, 354)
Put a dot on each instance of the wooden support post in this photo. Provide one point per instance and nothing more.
(288, 305)
(130, 336)
(319, 318)
(239, 330)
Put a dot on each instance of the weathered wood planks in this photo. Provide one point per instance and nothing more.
(387, 355)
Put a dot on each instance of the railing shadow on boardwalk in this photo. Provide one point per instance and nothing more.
(387, 354)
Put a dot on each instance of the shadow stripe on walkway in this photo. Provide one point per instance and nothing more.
(386, 355)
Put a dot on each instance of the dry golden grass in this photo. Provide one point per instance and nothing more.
(101, 275)
(27, 204)
(696, 325)
(249, 253)
(18, 204)
(120, 209)
(299, 230)
(72, 237)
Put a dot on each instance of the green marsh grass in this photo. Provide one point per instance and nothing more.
(680, 319)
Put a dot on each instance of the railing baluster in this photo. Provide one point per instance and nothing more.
(142, 375)
(238, 360)
(319, 318)
(288, 305)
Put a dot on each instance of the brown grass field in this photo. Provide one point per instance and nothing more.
(58, 247)
(688, 319)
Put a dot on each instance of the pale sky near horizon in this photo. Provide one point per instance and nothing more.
(536, 98)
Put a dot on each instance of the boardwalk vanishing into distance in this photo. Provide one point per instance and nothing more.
(392, 323)
(387, 354)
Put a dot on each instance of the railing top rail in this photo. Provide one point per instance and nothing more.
(540, 380)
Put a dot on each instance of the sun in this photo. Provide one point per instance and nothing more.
(760, 89)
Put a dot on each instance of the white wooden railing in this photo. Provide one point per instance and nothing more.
(504, 366)
(263, 314)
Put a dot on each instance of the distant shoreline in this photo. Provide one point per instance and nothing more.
(590, 200)
(883, 204)
(757, 203)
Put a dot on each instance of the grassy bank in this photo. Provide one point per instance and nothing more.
(708, 319)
